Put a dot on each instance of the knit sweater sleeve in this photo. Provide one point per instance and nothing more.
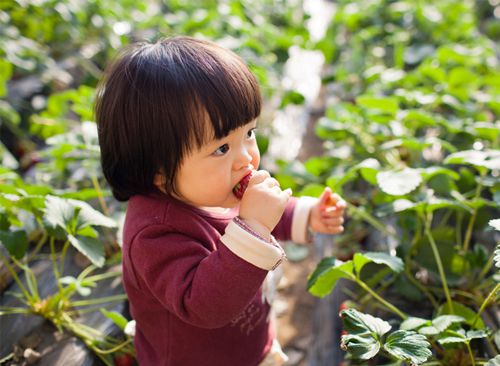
(204, 288)
(295, 220)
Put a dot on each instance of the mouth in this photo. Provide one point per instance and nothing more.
(240, 188)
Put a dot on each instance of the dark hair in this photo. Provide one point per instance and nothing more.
(153, 104)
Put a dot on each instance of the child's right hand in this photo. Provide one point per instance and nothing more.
(263, 203)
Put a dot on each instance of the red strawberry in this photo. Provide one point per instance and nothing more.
(242, 185)
(124, 359)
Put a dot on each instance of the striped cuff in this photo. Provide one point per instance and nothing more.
(300, 220)
(244, 242)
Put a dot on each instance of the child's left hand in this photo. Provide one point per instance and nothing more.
(327, 216)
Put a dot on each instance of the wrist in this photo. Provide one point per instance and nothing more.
(260, 229)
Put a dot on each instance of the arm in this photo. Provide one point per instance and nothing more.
(204, 288)
(322, 215)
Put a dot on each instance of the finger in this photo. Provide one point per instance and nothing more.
(332, 211)
(336, 221)
(271, 182)
(259, 176)
(325, 196)
(336, 229)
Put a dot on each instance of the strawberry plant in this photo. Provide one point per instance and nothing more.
(411, 141)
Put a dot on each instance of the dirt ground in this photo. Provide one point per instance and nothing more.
(294, 307)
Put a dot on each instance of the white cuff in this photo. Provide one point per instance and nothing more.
(261, 254)
(300, 220)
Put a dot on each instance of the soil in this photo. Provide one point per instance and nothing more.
(294, 308)
(294, 305)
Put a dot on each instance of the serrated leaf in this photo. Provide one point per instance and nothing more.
(461, 336)
(362, 347)
(408, 346)
(92, 248)
(494, 361)
(358, 323)
(16, 242)
(327, 273)
(451, 340)
(461, 310)
(399, 182)
(429, 331)
(443, 322)
(476, 334)
(73, 215)
(413, 323)
(393, 262)
(488, 159)
(116, 317)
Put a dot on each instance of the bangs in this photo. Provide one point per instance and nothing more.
(218, 86)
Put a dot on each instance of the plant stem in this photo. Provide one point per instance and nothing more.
(100, 196)
(486, 269)
(63, 255)
(100, 300)
(372, 220)
(470, 226)
(388, 305)
(54, 264)
(438, 261)
(485, 303)
(15, 277)
(470, 353)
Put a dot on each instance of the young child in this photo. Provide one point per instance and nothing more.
(176, 122)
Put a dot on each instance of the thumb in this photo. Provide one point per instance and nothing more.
(325, 197)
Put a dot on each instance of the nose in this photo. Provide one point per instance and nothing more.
(243, 158)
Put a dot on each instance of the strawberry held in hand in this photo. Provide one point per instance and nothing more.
(242, 185)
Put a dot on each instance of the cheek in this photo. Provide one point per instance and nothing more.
(255, 157)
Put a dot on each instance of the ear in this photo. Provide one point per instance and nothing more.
(159, 181)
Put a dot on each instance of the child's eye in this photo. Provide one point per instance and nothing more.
(222, 150)
(251, 133)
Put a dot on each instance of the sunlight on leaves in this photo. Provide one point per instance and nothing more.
(408, 346)
(399, 182)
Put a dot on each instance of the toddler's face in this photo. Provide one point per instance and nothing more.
(206, 177)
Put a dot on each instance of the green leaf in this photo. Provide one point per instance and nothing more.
(413, 323)
(292, 97)
(453, 339)
(399, 182)
(461, 336)
(82, 287)
(327, 273)
(494, 361)
(379, 105)
(16, 242)
(73, 215)
(408, 346)
(442, 322)
(116, 317)
(358, 323)
(5, 74)
(461, 310)
(362, 347)
(488, 159)
(394, 263)
(92, 248)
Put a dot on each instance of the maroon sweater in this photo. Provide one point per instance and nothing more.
(195, 302)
